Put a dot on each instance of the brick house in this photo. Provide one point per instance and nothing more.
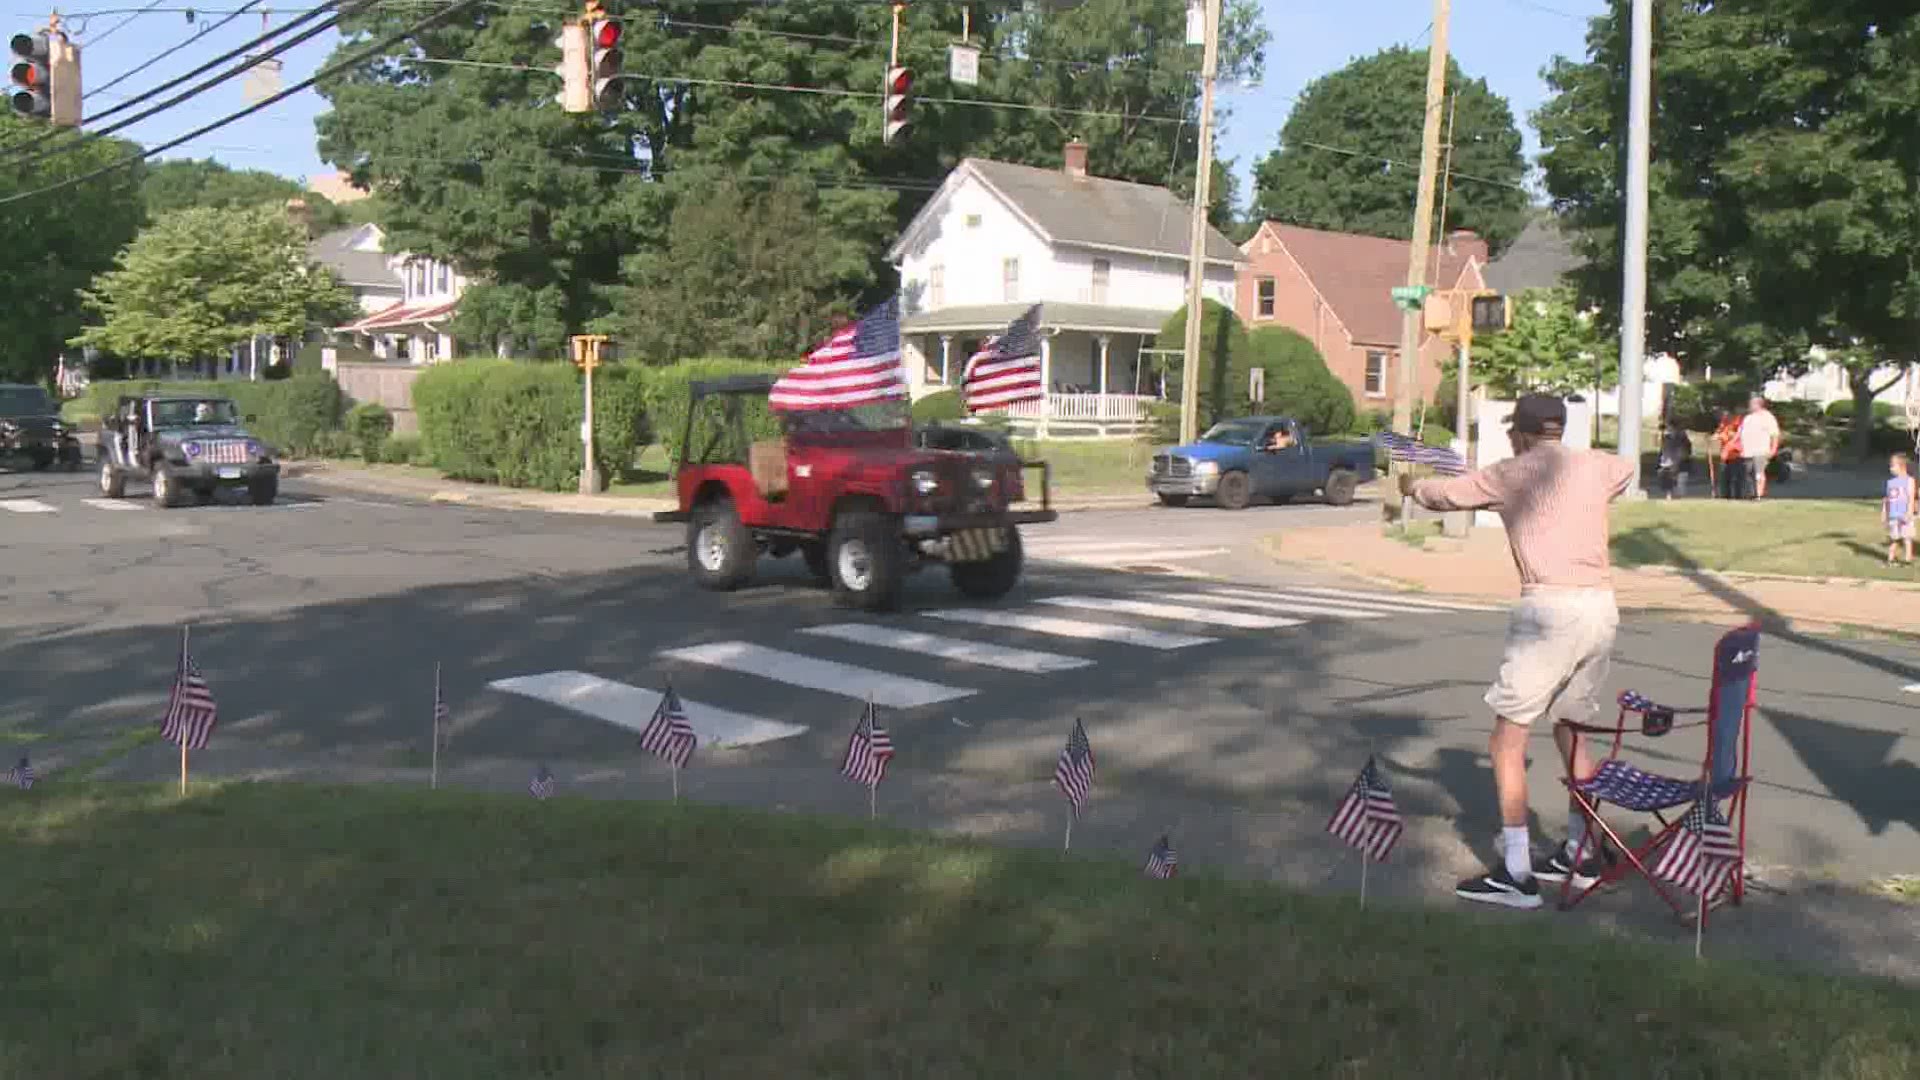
(1337, 289)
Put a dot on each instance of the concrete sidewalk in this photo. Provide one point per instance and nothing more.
(1481, 566)
(409, 483)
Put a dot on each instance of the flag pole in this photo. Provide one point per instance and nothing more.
(181, 730)
(676, 785)
(1363, 850)
(1699, 924)
(1068, 846)
(435, 782)
(873, 800)
(873, 788)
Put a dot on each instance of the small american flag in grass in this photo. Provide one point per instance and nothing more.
(868, 751)
(1703, 855)
(1161, 861)
(1413, 451)
(542, 785)
(1366, 818)
(1073, 774)
(22, 774)
(191, 713)
(669, 735)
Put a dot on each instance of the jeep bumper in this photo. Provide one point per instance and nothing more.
(1197, 484)
(207, 474)
(918, 525)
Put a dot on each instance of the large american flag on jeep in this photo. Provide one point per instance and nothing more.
(858, 365)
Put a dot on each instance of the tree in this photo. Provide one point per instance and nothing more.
(1786, 138)
(1553, 347)
(1226, 355)
(56, 243)
(196, 281)
(747, 270)
(176, 185)
(1298, 381)
(1329, 172)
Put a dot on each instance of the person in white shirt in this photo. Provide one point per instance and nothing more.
(1759, 441)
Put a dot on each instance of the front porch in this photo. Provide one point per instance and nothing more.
(1098, 381)
(405, 333)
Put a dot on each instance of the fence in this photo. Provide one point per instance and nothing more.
(390, 385)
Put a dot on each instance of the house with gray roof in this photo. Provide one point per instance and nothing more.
(1105, 259)
(405, 300)
(1541, 257)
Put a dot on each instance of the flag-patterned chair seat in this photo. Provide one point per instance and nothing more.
(1631, 788)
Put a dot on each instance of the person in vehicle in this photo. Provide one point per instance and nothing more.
(1281, 439)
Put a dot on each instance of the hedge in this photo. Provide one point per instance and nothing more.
(292, 415)
(502, 422)
(1298, 382)
(666, 396)
(939, 407)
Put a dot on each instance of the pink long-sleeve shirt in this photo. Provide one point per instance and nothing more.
(1554, 501)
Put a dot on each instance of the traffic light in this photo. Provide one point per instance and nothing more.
(604, 35)
(576, 95)
(899, 86)
(1492, 314)
(32, 71)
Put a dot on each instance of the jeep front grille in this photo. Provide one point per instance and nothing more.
(224, 452)
(1169, 465)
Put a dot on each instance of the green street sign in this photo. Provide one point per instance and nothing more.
(1410, 297)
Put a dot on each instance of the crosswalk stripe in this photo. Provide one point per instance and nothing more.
(631, 707)
(1071, 628)
(111, 504)
(26, 506)
(1281, 603)
(1097, 547)
(794, 669)
(1410, 600)
(1147, 554)
(1184, 613)
(1031, 661)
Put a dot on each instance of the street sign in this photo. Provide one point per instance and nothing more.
(1410, 297)
(963, 64)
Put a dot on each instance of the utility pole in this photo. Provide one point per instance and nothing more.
(1633, 290)
(586, 356)
(1197, 242)
(1418, 251)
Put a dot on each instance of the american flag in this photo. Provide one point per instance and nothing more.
(1406, 448)
(1161, 861)
(191, 713)
(22, 774)
(868, 751)
(542, 785)
(858, 365)
(668, 735)
(1007, 367)
(1074, 772)
(1703, 855)
(1366, 818)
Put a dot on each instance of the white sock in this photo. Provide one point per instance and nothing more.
(1576, 834)
(1519, 852)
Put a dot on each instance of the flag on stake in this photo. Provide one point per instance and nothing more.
(868, 751)
(670, 736)
(1073, 773)
(1703, 856)
(442, 725)
(1367, 819)
(542, 785)
(22, 774)
(1161, 861)
(191, 712)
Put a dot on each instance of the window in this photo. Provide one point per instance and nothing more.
(440, 275)
(1376, 385)
(1102, 271)
(973, 221)
(1010, 280)
(1265, 309)
(937, 286)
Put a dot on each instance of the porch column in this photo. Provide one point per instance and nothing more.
(946, 350)
(1106, 344)
(1046, 382)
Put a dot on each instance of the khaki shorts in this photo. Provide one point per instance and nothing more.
(1558, 654)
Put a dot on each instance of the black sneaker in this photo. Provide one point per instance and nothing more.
(1498, 887)
(1554, 869)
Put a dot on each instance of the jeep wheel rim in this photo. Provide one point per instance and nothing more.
(712, 549)
(106, 478)
(160, 485)
(855, 565)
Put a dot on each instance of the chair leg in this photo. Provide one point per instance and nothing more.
(1739, 885)
(1633, 858)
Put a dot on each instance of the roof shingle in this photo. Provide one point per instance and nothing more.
(1100, 213)
(1357, 274)
(336, 252)
(1541, 257)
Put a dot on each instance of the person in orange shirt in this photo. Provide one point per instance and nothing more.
(1726, 437)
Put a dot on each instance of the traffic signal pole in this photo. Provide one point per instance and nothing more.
(1633, 289)
(1421, 248)
(1197, 239)
(586, 356)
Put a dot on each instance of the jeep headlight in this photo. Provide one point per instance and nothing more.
(256, 451)
(1205, 468)
(983, 478)
(925, 482)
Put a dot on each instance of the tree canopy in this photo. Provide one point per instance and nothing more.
(1553, 347)
(177, 185)
(198, 280)
(1349, 154)
(57, 242)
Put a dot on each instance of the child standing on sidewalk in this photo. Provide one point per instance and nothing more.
(1898, 508)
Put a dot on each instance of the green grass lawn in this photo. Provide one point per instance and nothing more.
(290, 931)
(1812, 537)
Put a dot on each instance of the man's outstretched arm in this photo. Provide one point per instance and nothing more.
(1477, 490)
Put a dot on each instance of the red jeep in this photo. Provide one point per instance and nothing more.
(850, 491)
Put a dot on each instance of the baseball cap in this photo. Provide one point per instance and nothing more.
(1533, 412)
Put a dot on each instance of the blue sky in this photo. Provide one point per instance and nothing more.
(1506, 42)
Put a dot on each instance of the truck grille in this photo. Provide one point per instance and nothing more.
(224, 452)
(1170, 465)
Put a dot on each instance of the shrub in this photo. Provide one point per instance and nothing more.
(941, 406)
(1297, 380)
(666, 396)
(502, 422)
(289, 414)
(1842, 410)
(333, 444)
(1225, 358)
(368, 425)
(403, 450)
(620, 426)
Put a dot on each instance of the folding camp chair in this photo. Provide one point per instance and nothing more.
(1724, 774)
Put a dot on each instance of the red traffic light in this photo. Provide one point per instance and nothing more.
(26, 74)
(606, 35)
(899, 80)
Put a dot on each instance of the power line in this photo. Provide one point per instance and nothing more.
(1406, 165)
(137, 69)
(121, 25)
(326, 72)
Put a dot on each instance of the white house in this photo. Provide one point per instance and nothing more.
(405, 300)
(1826, 382)
(1106, 259)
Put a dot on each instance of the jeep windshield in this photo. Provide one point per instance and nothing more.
(211, 412)
(880, 416)
(26, 401)
(1234, 432)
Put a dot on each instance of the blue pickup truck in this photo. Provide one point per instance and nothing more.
(1259, 457)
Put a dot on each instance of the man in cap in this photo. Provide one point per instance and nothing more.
(1553, 500)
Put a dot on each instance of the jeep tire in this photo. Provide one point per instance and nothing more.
(166, 490)
(815, 556)
(990, 579)
(1340, 485)
(720, 550)
(264, 490)
(867, 561)
(1235, 491)
(113, 483)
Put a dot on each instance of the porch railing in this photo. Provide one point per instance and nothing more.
(1102, 408)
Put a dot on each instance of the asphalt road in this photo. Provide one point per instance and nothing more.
(319, 622)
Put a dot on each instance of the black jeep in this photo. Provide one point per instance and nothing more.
(181, 444)
(30, 427)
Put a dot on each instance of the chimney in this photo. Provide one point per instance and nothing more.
(1076, 160)
(1466, 242)
(301, 213)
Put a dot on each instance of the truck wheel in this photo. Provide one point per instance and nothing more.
(1235, 491)
(720, 550)
(992, 578)
(112, 483)
(166, 493)
(263, 492)
(1170, 499)
(867, 561)
(816, 558)
(1339, 489)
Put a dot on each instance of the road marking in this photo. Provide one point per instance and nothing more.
(1031, 661)
(1071, 628)
(896, 691)
(631, 707)
(110, 504)
(1179, 612)
(1142, 553)
(1911, 688)
(1410, 600)
(1281, 603)
(27, 506)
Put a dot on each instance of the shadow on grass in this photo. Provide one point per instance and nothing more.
(259, 930)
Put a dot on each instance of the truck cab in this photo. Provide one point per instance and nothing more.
(1258, 457)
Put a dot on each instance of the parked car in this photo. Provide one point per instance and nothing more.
(184, 444)
(1238, 461)
(30, 427)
